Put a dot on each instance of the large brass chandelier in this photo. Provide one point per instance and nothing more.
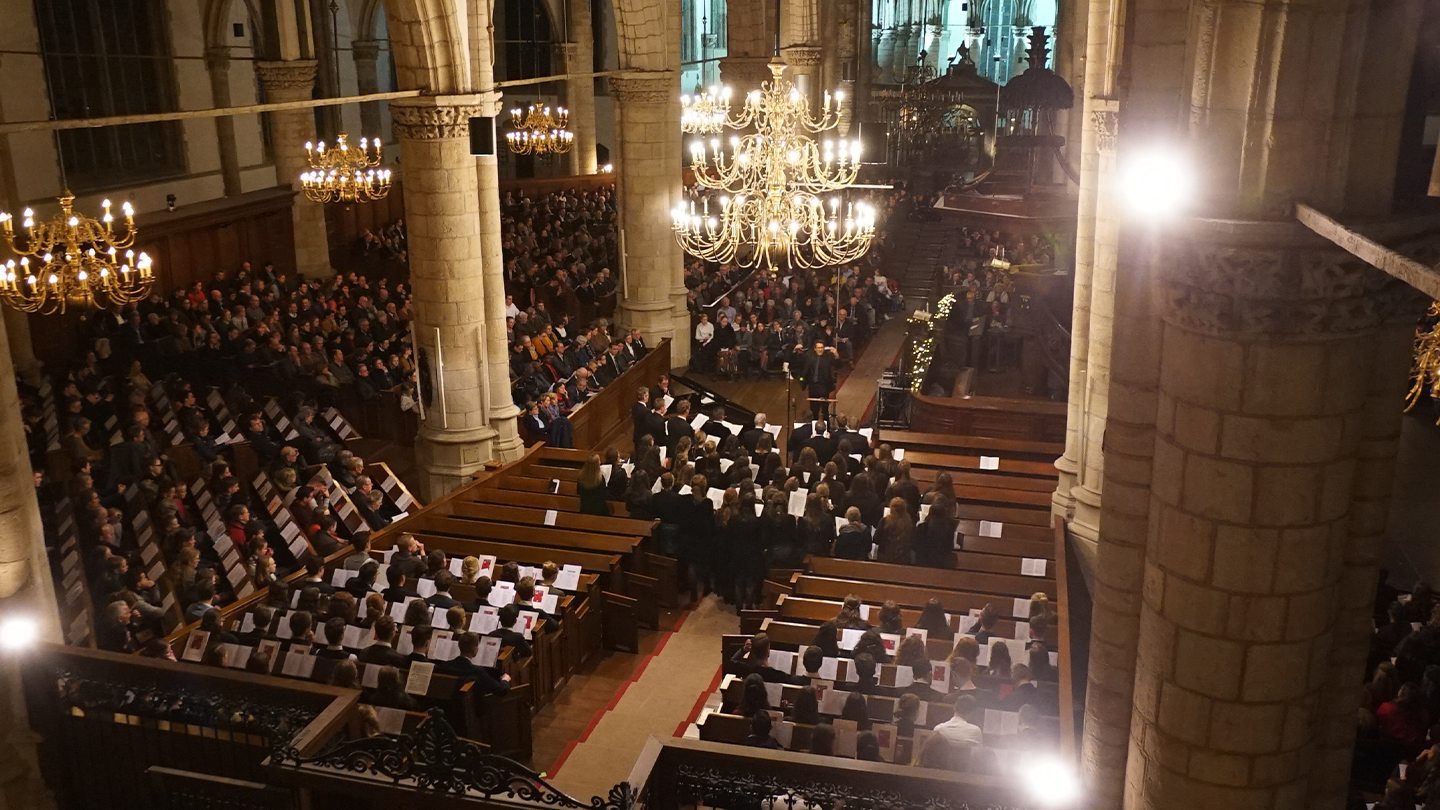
(540, 131)
(705, 112)
(343, 174)
(1426, 367)
(72, 260)
(763, 205)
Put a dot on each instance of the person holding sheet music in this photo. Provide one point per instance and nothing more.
(508, 635)
(382, 651)
(590, 487)
(464, 668)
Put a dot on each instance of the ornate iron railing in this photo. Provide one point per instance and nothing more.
(435, 758)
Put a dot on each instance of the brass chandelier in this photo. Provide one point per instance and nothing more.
(763, 207)
(705, 112)
(540, 131)
(342, 174)
(1426, 366)
(72, 260)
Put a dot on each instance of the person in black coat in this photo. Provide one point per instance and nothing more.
(383, 651)
(745, 543)
(817, 371)
(853, 540)
(467, 670)
(696, 521)
(640, 423)
(508, 635)
(678, 425)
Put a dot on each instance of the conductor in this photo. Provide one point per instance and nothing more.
(817, 372)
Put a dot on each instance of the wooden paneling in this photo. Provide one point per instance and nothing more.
(189, 245)
(995, 417)
(608, 414)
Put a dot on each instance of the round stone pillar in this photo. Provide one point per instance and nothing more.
(289, 131)
(885, 56)
(502, 412)
(448, 278)
(578, 58)
(22, 351)
(1266, 416)
(217, 65)
(366, 53)
(647, 186)
(804, 64)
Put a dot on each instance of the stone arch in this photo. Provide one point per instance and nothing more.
(430, 45)
(217, 12)
(648, 34)
(366, 17)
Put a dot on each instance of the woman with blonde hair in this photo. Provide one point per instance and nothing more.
(469, 570)
(590, 486)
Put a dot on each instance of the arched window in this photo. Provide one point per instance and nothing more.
(104, 58)
(527, 43)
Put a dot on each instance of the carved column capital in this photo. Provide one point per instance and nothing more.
(801, 56)
(217, 60)
(290, 80)
(1278, 278)
(432, 118)
(648, 87)
(365, 51)
(1106, 124)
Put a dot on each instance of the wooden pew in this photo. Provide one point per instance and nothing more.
(810, 609)
(1019, 449)
(1006, 515)
(910, 596)
(629, 548)
(795, 636)
(528, 516)
(951, 578)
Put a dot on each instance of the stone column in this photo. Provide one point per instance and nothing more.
(749, 44)
(366, 53)
(804, 64)
(217, 65)
(22, 351)
(448, 277)
(647, 186)
(578, 57)
(502, 412)
(1103, 230)
(885, 56)
(289, 131)
(1118, 558)
(865, 42)
(1266, 412)
(26, 589)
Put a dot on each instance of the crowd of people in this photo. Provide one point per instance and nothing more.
(1399, 730)
(1029, 687)
(752, 323)
(729, 507)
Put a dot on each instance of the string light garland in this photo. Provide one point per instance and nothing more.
(73, 260)
(761, 201)
(343, 174)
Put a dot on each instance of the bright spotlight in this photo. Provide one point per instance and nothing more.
(1157, 183)
(1052, 782)
(18, 632)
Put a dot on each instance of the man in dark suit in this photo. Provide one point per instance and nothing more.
(847, 440)
(383, 652)
(395, 578)
(800, 435)
(678, 425)
(442, 598)
(611, 366)
(334, 640)
(823, 444)
(261, 617)
(467, 670)
(750, 436)
(420, 636)
(635, 346)
(508, 635)
(817, 371)
(640, 415)
(713, 428)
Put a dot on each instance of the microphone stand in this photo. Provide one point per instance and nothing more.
(789, 413)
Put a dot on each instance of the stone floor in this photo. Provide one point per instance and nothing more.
(657, 698)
